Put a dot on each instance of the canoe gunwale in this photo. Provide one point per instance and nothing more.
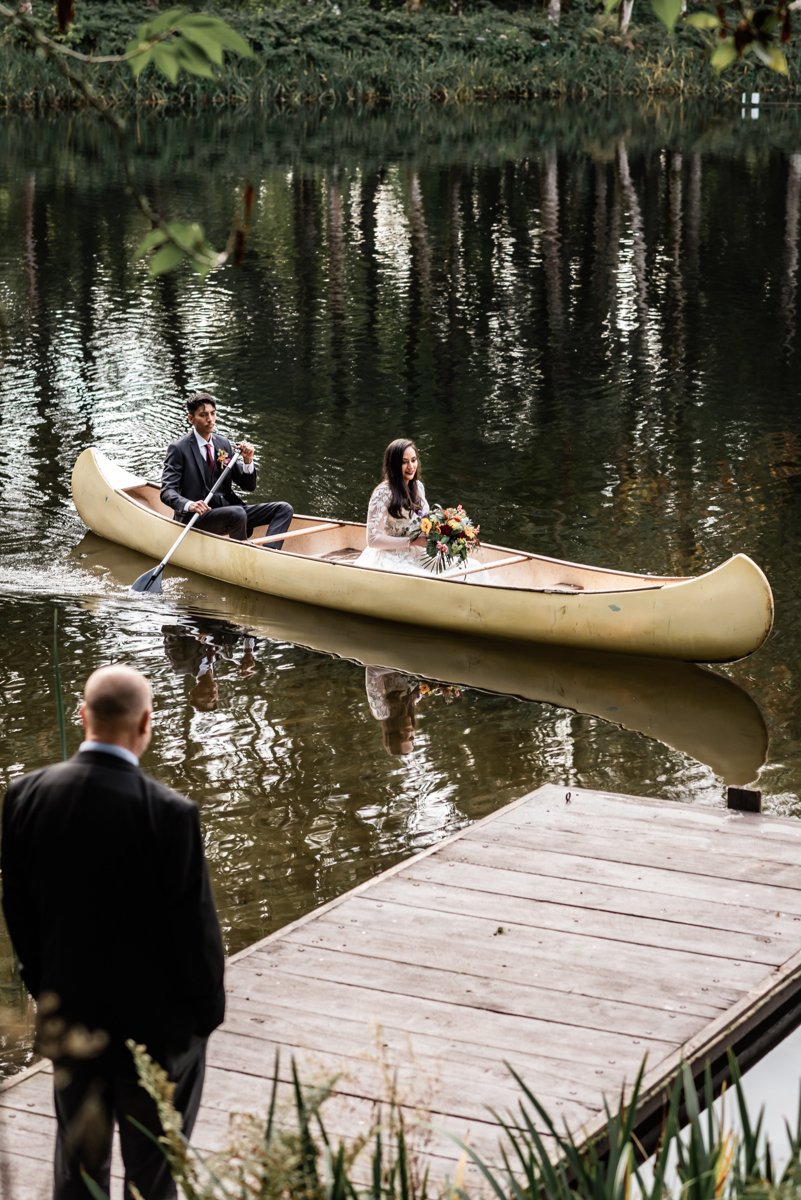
(658, 583)
(333, 522)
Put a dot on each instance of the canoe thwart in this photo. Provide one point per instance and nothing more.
(292, 533)
(474, 568)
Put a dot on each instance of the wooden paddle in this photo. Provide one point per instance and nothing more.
(151, 580)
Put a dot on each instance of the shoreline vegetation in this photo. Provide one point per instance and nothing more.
(326, 54)
(701, 1149)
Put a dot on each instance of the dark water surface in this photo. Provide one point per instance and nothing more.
(590, 323)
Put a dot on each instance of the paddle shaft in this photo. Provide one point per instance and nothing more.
(153, 575)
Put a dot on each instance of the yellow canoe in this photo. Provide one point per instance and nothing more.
(720, 616)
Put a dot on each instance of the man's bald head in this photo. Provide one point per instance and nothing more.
(116, 707)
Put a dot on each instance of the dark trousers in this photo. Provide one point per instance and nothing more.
(239, 520)
(92, 1094)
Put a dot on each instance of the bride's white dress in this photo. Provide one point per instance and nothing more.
(382, 683)
(388, 546)
(388, 537)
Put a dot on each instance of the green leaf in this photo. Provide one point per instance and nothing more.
(668, 11)
(160, 24)
(156, 237)
(779, 62)
(191, 242)
(166, 259)
(216, 29)
(610, 6)
(702, 20)
(142, 59)
(166, 60)
(766, 20)
(207, 45)
(231, 40)
(188, 234)
(203, 268)
(772, 57)
(724, 55)
(94, 1190)
(193, 60)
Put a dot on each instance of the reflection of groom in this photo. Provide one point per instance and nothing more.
(194, 652)
(194, 463)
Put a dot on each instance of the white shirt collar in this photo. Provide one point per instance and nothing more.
(110, 748)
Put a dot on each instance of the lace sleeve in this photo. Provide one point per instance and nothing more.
(377, 520)
(380, 683)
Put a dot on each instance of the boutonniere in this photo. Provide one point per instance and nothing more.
(222, 460)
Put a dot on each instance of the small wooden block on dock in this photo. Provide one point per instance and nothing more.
(568, 935)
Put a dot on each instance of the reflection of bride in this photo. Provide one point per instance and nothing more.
(395, 508)
(392, 697)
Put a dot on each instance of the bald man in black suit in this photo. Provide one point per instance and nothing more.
(108, 903)
(194, 462)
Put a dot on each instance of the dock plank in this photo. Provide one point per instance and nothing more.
(551, 890)
(389, 1030)
(603, 982)
(462, 937)
(634, 929)
(517, 997)
(579, 869)
(566, 935)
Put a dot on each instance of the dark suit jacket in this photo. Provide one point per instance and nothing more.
(184, 475)
(108, 903)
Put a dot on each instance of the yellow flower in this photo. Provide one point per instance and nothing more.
(425, 526)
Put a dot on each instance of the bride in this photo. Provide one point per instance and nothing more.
(394, 513)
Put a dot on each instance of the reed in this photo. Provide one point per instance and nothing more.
(702, 1154)
(59, 694)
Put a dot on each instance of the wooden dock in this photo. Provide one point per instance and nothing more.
(569, 935)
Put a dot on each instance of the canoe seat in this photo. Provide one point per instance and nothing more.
(343, 554)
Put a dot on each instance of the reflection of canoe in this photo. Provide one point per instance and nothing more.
(689, 708)
(716, 617)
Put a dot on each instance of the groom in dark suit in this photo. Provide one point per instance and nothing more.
(109, 907)
(191, 467)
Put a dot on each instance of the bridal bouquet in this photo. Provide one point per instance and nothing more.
(450, 536)
(448, 690)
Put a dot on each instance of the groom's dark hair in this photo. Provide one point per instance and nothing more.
(194, 401)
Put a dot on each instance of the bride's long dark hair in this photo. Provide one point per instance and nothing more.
(403, 499)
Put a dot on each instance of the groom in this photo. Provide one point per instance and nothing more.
(191, 467)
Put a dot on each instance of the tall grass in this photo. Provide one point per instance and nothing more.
(702, 1154)
(57, 688)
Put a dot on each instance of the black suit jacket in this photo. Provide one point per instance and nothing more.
(108, 902)
(184, 475)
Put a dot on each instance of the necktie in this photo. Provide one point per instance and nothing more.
(209, 459)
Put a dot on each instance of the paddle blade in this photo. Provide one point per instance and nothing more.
(149, 582)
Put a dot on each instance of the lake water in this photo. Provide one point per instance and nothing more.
(589, 322)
